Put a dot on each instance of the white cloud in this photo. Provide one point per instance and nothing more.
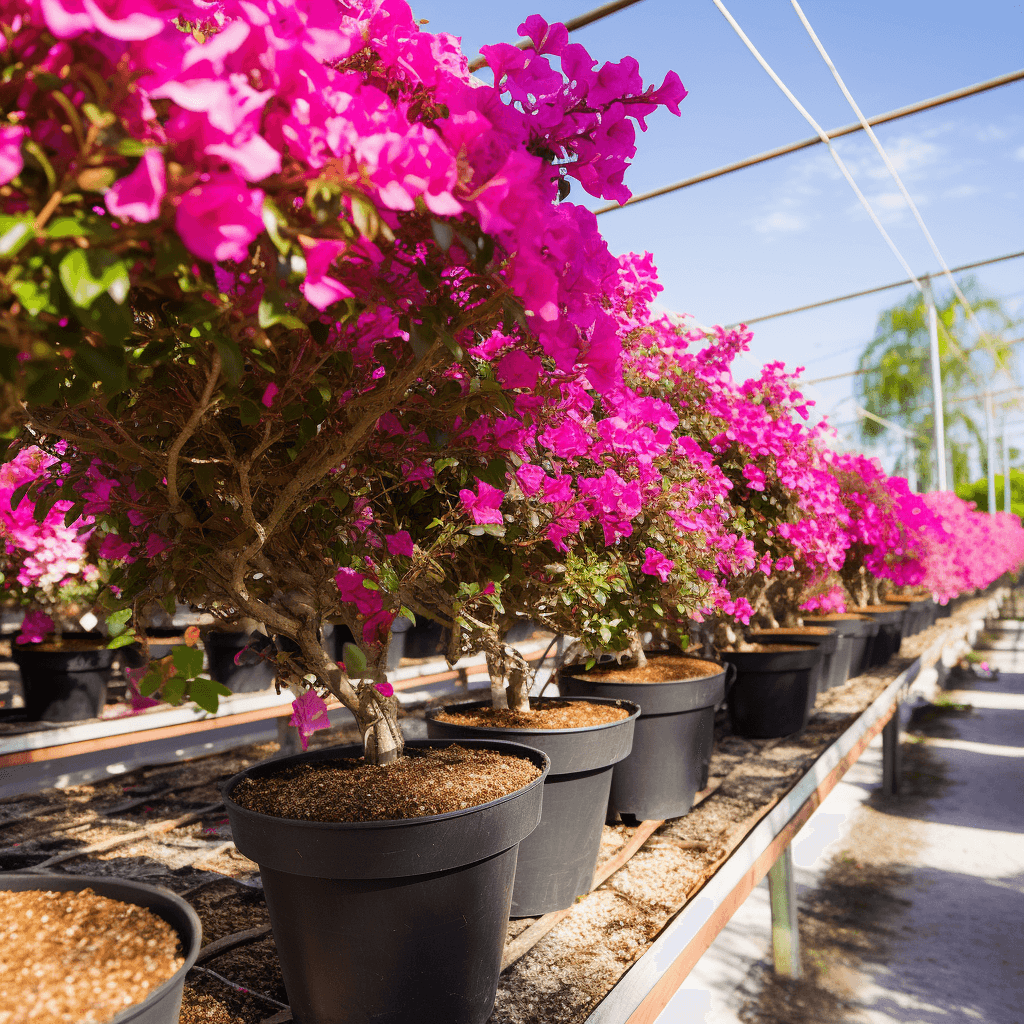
(992, 133)
(780, 221)
(1018, 153)
(962, 192)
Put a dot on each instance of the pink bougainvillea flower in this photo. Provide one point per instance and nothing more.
(518, 370)
(656, 564)
(384, 689)
(219, 218)
(138, 195)
(125, 20)
(11, 161)
(114, 548)
(399, 543)
(35, 628)
(269, 393)
(155, 544)
(309, 713)
(319, 289)
(483, 505)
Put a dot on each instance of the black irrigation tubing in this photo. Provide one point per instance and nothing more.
(241, 988)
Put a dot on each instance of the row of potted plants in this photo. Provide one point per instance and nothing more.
(311, 333)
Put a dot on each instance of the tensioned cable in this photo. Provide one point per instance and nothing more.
(824, 138)
(835, 133)
(871, 291)
(890, 167)
(571, 25)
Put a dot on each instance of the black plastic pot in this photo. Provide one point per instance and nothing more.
(672, 740)
(556, 861)
(854, 636)
(426, 639)
(64, 686)
(827, 643)
(390, 921)
(163, 1004)
(915, 614)
(132, 656)
(252, 672)
(890, 631)
(943, 611)
(774, 690)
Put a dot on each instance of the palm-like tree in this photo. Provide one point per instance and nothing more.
(895, 375)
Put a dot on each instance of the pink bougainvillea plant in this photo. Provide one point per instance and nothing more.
(46, 563)
(267, 238)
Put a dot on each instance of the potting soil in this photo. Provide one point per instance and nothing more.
(664, 668)
(548, 714)
(418, 784)
(79, 956)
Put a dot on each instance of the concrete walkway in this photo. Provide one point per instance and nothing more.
(912, 909)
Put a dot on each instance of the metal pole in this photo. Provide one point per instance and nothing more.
(891, 759)
(940, 423)
(785, 930)
(990, 453)
(1007, 496)
(911, 461)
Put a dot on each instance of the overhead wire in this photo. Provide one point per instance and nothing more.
(894, 174)
(844, 170)
(814, 140)
(871, 291)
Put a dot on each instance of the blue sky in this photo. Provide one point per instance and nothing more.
(791, 231)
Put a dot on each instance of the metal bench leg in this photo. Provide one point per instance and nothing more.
(785, 933)
(891, 756)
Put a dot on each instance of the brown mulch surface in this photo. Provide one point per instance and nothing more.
(550, 713)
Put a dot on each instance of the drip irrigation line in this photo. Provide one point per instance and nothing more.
(240, 988)
(871, 291)
(814, 140)
(894, 174)
(580, 21)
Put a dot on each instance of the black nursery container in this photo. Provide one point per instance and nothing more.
(890, 620)
(390, 921)
(251, 672)
(828, 674)
(672, 739)
(774, 690)
(854, 636)
(64, 685)
(557, 861)
(163, 1004)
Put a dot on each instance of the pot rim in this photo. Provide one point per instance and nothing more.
(586, 673)
(619, 701)
(54, 882)
(538, 757)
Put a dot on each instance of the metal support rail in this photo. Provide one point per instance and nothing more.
(73, 754)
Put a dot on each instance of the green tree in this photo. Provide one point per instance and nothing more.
(977, 491)
(895, 380)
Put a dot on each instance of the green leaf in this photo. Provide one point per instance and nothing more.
(65, 227)
(273, 221)
(187, 660)
(152, 680)
(232, 361)
(33, 298)
(248, 412)
(207, 693)
(443, 234)
(174, 689)
(87, 273)
(44, 389)
(14, 233)
(129, 147)
(117, 621)
(108, 365)
(355, 661)
(341, 499)
(122, 640)
(272, 311)
(19, 493)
